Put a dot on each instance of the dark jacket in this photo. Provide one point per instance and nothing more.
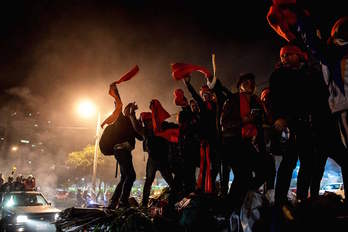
(290, 94)
(207, 124)
(231, 120)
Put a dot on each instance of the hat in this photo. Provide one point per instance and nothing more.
(245, 77)
(292, 49)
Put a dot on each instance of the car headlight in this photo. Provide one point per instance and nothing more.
(56, 216)
(21, 219)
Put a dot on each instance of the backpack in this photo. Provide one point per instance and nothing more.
(119, 132)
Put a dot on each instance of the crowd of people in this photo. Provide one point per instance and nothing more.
(18, 183)
(302, 114)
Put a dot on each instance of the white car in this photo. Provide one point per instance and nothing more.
(27, 211)
(334, 188)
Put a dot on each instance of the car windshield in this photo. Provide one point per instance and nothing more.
(24, 199)
(332, 186)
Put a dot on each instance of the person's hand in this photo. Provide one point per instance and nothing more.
(280, 124)
(102, 125)
(113, 91)
(210, 78)
(133, 108)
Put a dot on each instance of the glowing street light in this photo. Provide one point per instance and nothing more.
(14, 148)
(86, 109)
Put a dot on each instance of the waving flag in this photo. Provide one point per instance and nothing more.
(180, 70)
(128, 75)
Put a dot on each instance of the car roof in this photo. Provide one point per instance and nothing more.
(17, 192)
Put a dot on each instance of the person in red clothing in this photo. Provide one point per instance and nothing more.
(241, 118)
(208, 136)
(29, 183)
(188, 141)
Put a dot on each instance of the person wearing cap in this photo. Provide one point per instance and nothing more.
(157, 148)
(240, 117)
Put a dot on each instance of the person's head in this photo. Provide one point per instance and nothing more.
(10, 179)
(19, 179)
(194, 106)
(264, 96)
(246, 83)
(152, 103)
(179, 98)
(291, 55)
(206, 93)
(339, 32)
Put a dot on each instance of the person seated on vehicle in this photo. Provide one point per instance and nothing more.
(29, 183)
(6, 187)
(19, 183)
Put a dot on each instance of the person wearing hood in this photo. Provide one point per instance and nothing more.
(157, 148)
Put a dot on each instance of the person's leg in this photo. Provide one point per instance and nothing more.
(189, 167)
(265, 172)
(225, 177)
(128, 169)
(343, 125)
(284, 174)
(338, 151)
(118, 190)
(215, 160)
(150, 176)
(318, 171)
(167, 176)
(241, 168)
(305, 147)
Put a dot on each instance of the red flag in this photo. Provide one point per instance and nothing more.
(249, 130)
(180, 70)
(172, 134)
(281, 19)
(146, 116)
(159, 114)
(128, 75)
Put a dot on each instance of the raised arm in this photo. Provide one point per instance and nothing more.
(138, 128)
(118, 106)
(193, 93)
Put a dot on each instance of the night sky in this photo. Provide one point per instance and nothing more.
(62, 50)
(55, 53)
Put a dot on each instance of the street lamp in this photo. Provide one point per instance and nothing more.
(87, 109)
(14, 148)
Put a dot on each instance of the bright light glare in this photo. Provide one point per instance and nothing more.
(22, 218)
(14, 148)
(10, 202)
(86, 109)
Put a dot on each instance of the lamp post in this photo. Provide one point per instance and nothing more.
(87, 109)
(95, 158)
